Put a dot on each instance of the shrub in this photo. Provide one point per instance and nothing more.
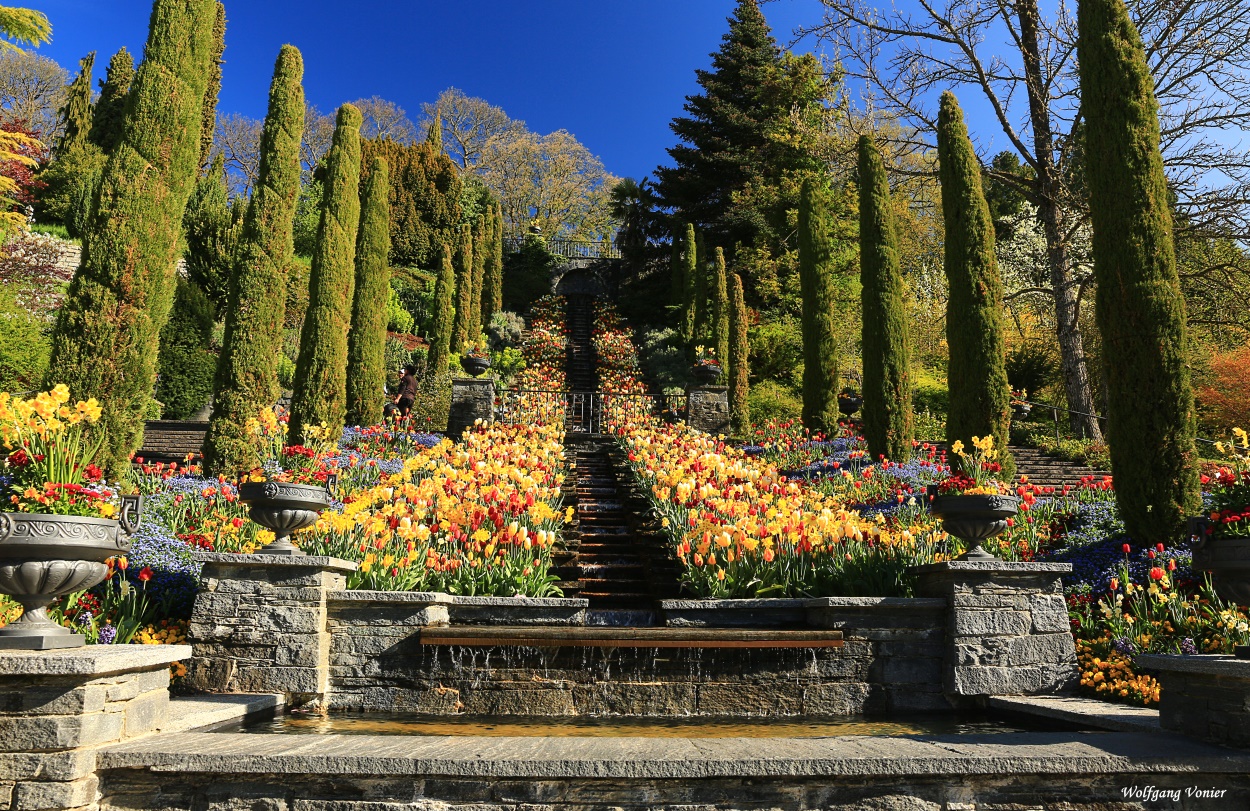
(772, 401)
(286, 373)
(1225, 397)
(186, 366)
(63, 178)
(398, 319)
(505, 330)
(1032, 367)
(24, 344)
(663, 356)
(777, 350)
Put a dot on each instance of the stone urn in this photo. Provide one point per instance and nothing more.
(1021, 411)
(475, 365)
(1226, 557)
(973, 518)
(848, 404)
(45, 557)
(284, 507)
(705, 374)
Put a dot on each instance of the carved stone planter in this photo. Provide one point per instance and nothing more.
(849, 404)
(1227, 558)
(474, 365)
(45, 557)
(283, 507)
(705, 374)
(973, 518)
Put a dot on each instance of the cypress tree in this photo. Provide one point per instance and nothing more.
(739, 360)
(247, 370)
(980, 397)
(702, 314)
(106, 122)
(816, 269)
(105, 341)
(677, 275)
(321, 370)
(76, 112)
(208, 120)
(1139, 307)
(211, 226)
(444, 317)
(492, 286)
(689, 275)
(479, 278)
(434, 135)
(464, 290)
(887, 413)
(720, 309)
(366, 343)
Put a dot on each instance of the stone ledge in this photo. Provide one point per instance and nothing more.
(419, 597)
(997, 755)
(905, 603)
(991, 567)
(522, 602)
(1086, 711)
(1203, 665)
(196, 712)
(91, 660)
(293, 561)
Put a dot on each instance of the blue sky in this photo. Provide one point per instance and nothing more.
(612, 72)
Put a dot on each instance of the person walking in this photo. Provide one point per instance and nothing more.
(407, 390)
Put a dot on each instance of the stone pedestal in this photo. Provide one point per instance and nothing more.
(1206, 697)
(472, 399)
(58, 707)
(1007, 627)
(259, 624)
(707, 409)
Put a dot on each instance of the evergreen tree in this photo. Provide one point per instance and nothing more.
(887, 409)
(321, 371)
(106, 122)
(208, 119)
(980, 397)
(492, 286)
(247, 371)
(460, 337)
(739, 360)
(185, 380)
(720, 309)
(702, 307)
(212, 227)
(479, 278)
(366, 343)
(76, 112)
(1139, 308)
(728, 140)
(816, 280)
(424, 200)
(677, 275)
(434, 135)
(105, 341)
(689, 275)
(444, 318)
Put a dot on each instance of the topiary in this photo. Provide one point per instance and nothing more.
(186, 366)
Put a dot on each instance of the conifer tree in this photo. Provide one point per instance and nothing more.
(106, 122)
(739, 360)
(492, 286)
(702, 306)
(444, 318)
(105, 341)
(460, 337)
(424, 200)
(887, 409)
(212, 226)
(76, 112)
(677, 276)
(1139, 307)
(479, 278)
(366, 343)
(720, 309)
(434, 135)
(689, 275)
(208, 120)
(321, 370)
(816, 270)
(247, 369)
(980, 397)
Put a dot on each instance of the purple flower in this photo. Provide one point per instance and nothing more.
(107, 634)
(1188, 648)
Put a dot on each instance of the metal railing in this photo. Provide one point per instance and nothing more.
(585, 412)
(1056, 410)
(572, 248)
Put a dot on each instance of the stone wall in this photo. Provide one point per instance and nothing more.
(707, 409)
(472, 399)
(1207, 697)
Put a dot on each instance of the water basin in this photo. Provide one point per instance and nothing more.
(617, 727)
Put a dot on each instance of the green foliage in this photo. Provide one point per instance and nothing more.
(690, 284)
(777, 350)
(321, 379)
(366, 343)
(212, 228)
(186, 365)
(460, 334)
(24, 26)
(980, 402)
(1069, 449)
(424, 199)
(492, 284)
(479, 276)
(505, 330)
(296, 305)
(107, 331)
(663, 354)
(68, 181)
(444, 319)
(24, 344)
(250, 371)
(106, 123)
(398, 319)
(816, 271)
(528, 272)
(433, 403)
(771, 401)
(1151, 421)
(208, 112)
(720, 307)
(1031, 367)
(76, 112)
(887, 413)
(739, 360)
(307, 216)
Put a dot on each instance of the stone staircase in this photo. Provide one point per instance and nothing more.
(1048, 471)
(171, 440)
